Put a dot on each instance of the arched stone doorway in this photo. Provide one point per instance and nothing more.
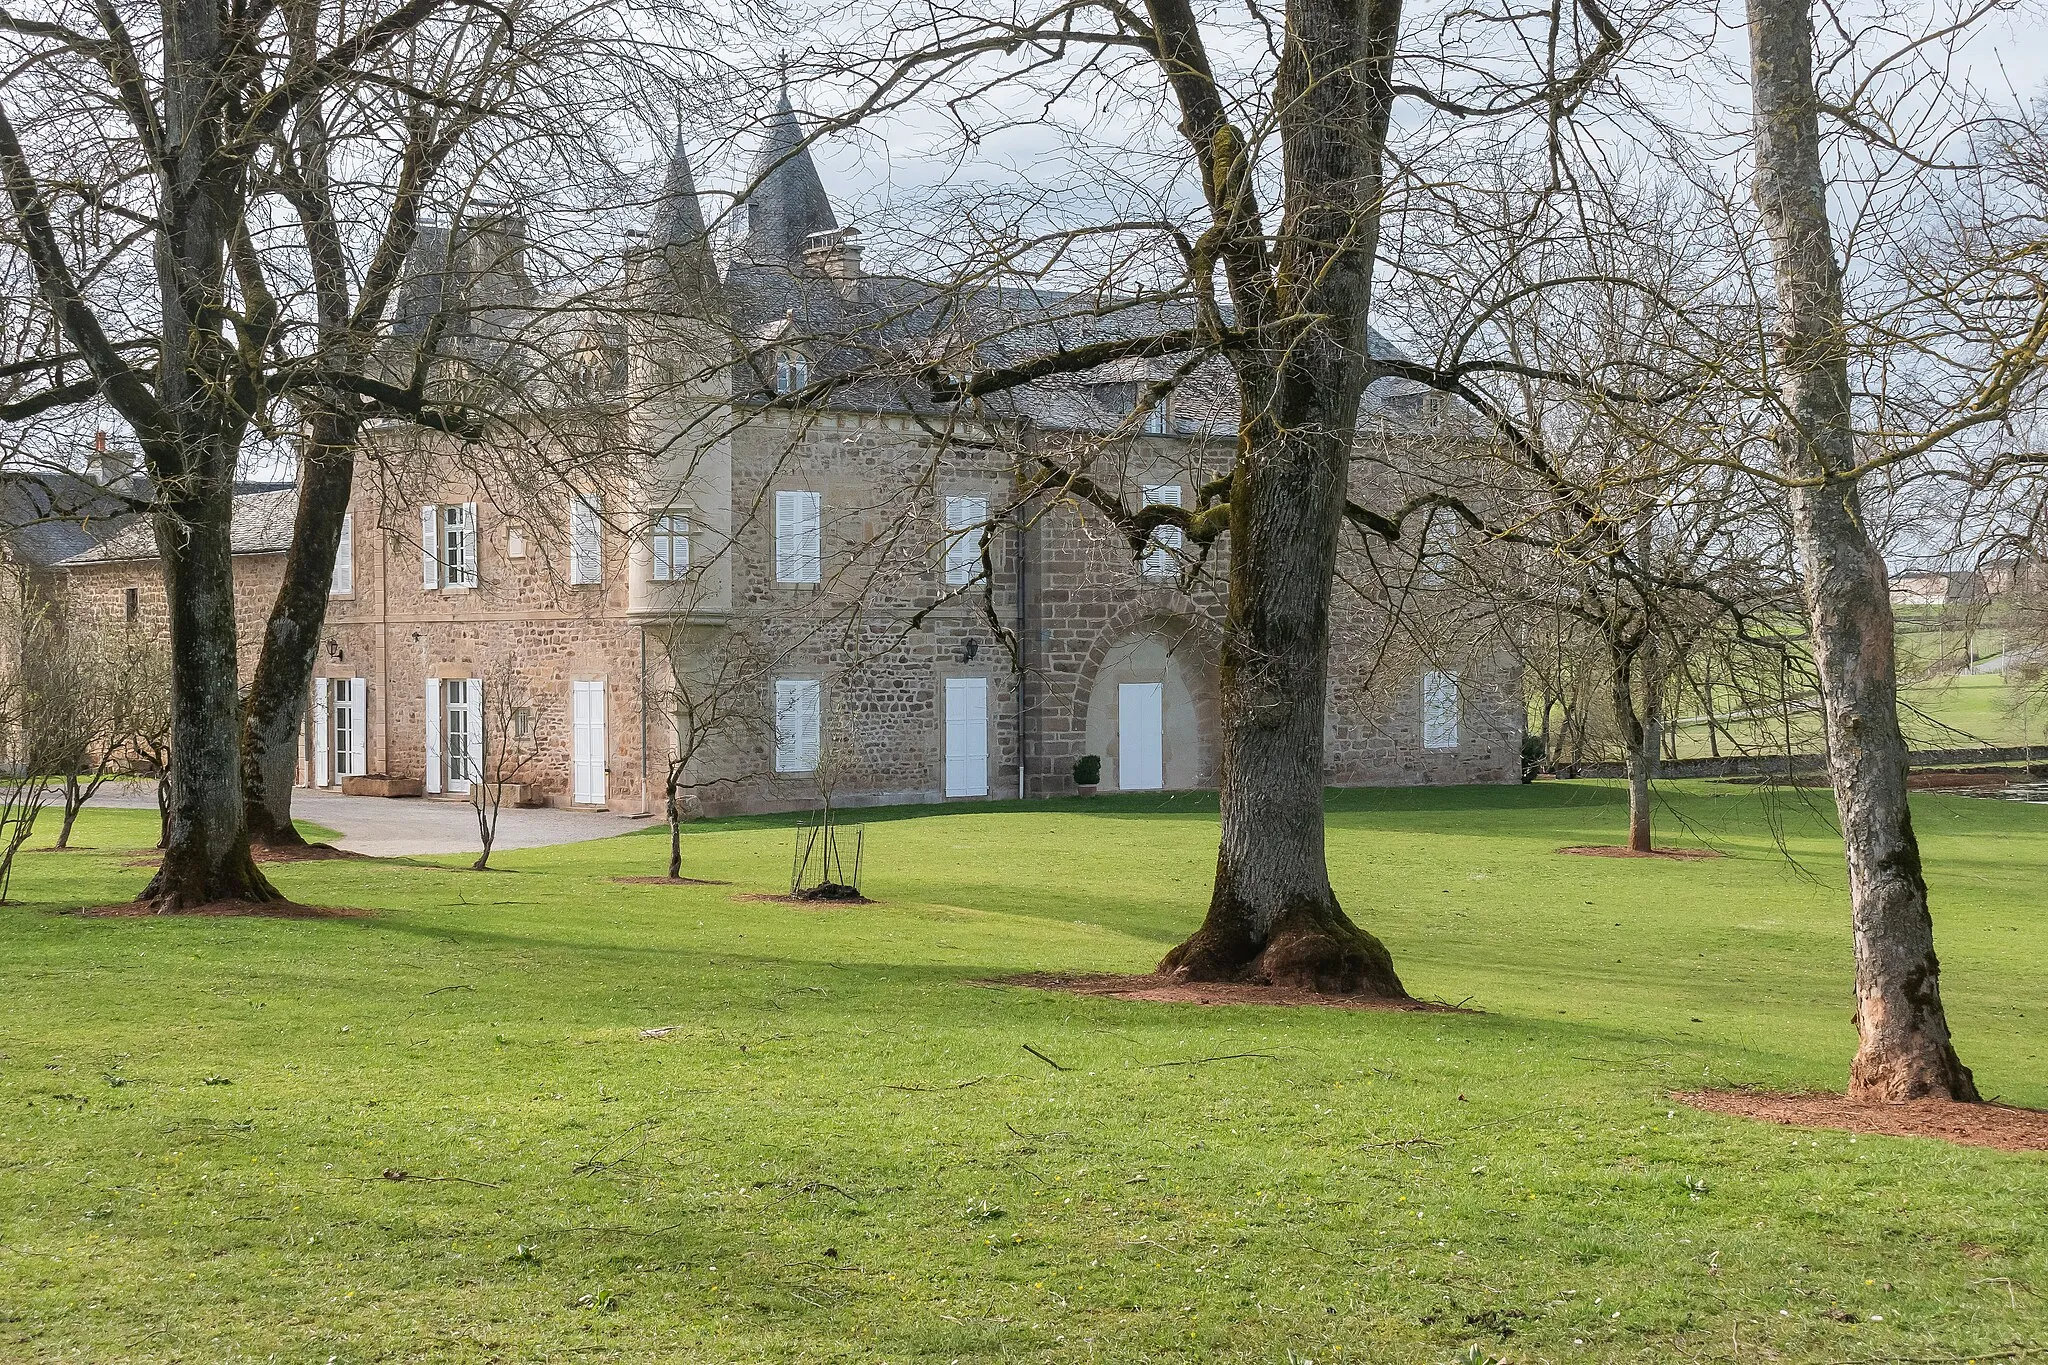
(1149, 705)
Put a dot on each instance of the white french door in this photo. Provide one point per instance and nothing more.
(967, 736)
(1141, 736)
(587, 740)
(459, 708)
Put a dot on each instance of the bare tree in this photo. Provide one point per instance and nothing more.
(713, 695)
(502, 751)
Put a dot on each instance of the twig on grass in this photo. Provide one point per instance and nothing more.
(1043, 1058)
(1401, 1143)
(928, 1089)
(392, 1173)
(1201, 1061)
(438, 989)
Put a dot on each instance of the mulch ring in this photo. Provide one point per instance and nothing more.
(667, 881)
(808, 902)
(1166, 990)
(1677, 855)
(2000, 1126)
(223, 910)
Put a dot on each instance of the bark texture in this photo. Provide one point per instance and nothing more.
(1273, 916)
(276, 706)
(1904, 1050)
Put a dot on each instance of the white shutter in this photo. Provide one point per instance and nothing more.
(358, 731)
(475, 720)
(469, 544)
(1160, 560)
(319, 732)
(433, 734)
(798, 536)
(588, 742)
(967, 737)
(344, 577)
(1440, 706)
(808, 719)
(796, 725)
(586, 541)
(965, 518)
(430, 547)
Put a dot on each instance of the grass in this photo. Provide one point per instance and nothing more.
(841, 1151)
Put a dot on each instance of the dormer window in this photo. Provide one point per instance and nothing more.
(792, 370)
(1157, 421)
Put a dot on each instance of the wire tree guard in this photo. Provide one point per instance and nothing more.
(818, 869)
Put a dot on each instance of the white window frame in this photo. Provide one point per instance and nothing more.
(448, 540)
(799, 536)
(1162, 559)
(343, 580)
(458, 545)
(461, 749)
(668, 542)
(966, 521)
(1442, 702)
(586, 539)
(799, 720)
(792, 369)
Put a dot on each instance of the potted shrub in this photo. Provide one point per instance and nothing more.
(1088, 773)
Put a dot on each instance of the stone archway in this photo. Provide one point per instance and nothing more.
(1177, 651)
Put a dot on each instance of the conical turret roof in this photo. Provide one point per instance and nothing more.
(788, 201)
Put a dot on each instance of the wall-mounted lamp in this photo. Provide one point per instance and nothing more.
(973, 648)
(333, 648)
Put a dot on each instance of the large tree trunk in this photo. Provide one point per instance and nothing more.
(206, 857)
(1273, 917)
(291, 642)
(1904, 1050)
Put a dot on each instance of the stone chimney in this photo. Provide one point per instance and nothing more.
(107, 468)
(835, 254)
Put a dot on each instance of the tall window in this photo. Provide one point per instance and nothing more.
(347, 722)
(1157, 421)
(132, 603)
(448, 546)
(792, 370)
(965, 521)
(344, 579)
(669, 538)
(586, 540)
(459, 708)
(1440, 706)
(1161, 561)
(797, 716)
(799, 536)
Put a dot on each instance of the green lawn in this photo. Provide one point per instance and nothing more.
(842, 1151)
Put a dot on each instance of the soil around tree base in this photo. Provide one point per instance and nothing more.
(2003, 1127)
(808, 902)
(280, 853)
(230, 909)
(1677, 855)
(1158, 988)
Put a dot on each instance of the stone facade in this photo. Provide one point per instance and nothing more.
(923, 685)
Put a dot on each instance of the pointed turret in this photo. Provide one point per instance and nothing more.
(788, 202)
(678, 217)
(678, 251)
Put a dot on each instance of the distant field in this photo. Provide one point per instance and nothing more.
(1963, 712)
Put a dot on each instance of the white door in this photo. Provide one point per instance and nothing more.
(967, 736)
(459, 707)
(586, 725)
(1141, 736)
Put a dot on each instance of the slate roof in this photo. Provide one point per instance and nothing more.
(48, 516)
(263, 516)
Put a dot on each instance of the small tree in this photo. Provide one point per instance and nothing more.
(503, 752)
(92, 695)
(32, 724)
(714, 702)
